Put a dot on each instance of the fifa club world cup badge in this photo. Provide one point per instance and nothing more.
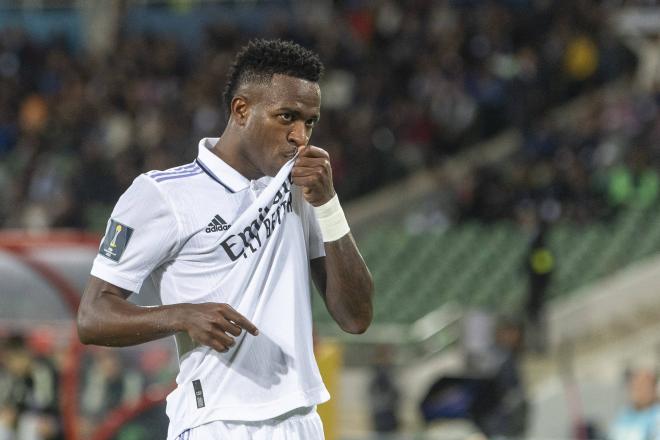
(115, 240)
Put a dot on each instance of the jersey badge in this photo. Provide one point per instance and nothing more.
(115, 241)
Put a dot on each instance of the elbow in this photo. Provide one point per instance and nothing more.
(356, 317)
(85, 327)
(359, 324)
(356, 327)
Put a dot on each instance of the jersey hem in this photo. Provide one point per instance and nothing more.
(254, 413)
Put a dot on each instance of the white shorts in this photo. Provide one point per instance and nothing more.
(299, 424)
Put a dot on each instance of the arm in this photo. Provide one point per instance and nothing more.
(106, 317)
(341, 277)
(345, 284)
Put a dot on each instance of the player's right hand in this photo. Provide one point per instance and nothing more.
(214, 324)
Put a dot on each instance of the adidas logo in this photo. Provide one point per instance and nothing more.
(217, 224)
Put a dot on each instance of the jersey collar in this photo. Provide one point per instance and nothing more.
(218, 169)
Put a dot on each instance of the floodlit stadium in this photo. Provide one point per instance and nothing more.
(498, 162)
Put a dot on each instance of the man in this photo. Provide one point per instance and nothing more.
(230, 241)
(28, 393)
(640, 418)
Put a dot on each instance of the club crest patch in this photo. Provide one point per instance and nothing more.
(115, 241)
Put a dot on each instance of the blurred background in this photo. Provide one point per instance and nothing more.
(499, 164)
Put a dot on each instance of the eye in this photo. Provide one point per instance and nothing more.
(286, 117)
(311, 123)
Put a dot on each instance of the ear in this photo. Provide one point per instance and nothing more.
(240, 109)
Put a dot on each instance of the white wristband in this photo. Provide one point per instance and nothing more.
(331, 219)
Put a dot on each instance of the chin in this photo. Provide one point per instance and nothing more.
(271, 172)
(278, 166)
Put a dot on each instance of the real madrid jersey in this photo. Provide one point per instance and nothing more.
(205, 233)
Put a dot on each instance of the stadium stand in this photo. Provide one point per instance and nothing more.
(478, 260)
(408, 89)
(482, 266)
(78, 125)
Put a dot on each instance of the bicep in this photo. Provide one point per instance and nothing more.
(94, 306)
(96, 287)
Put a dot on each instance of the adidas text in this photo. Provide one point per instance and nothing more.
(217, 224)
(216, 228)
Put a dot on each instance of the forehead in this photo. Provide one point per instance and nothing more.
(287, 91)
(643, 376)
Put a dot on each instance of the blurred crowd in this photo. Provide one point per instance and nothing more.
(584, 169)
(32, 388)
(407, 85)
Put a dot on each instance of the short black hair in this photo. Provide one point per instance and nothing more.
(260, 59)
(15, 342)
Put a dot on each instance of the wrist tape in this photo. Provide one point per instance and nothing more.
(331, 220)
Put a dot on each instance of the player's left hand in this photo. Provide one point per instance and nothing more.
(313, 173)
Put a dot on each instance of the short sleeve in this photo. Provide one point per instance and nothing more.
(142, 233)
(315, 240)
(656, 423)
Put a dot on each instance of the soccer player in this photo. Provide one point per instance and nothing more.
(231, 242)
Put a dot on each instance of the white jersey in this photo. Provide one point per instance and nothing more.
(205, 233)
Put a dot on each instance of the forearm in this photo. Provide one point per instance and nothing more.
(349, 287)
(109, 320)
(341, 276)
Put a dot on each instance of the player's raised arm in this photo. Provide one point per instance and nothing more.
(105, 317)
(342, 276)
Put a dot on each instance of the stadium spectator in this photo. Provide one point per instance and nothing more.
(420, 83)
(489, 392)
(384, 393)
(28, 393)
(108, 384)
(509, 414)
(583, 169)
(640, 418)
(540, 264)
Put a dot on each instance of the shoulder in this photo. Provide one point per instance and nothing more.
(174, 175)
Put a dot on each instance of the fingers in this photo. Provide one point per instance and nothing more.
(307, 182)
(239, 320)
(313, 172)
(211, 336)
(217, 332)
(312, 166)
(221, 342)
(312, 161)
(310, 151)
(230, 327)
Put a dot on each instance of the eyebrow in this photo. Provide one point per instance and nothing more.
(297, 113)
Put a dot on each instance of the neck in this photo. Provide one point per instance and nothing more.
(230, 149)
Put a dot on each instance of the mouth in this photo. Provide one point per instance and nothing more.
(291, 154)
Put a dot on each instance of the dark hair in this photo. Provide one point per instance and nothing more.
(15, 342)
(260, 59)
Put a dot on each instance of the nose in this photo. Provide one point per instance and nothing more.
(298, 134)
